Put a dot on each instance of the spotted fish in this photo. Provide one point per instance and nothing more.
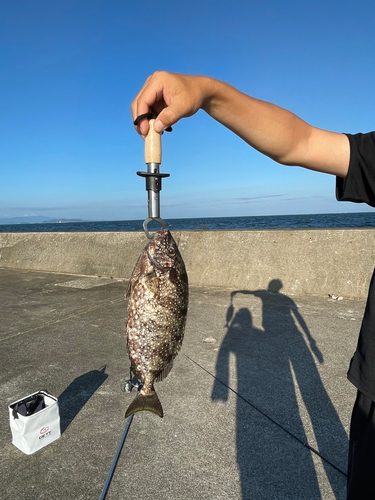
(158, 302)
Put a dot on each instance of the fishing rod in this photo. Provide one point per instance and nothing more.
(128, 386)
(115, 460)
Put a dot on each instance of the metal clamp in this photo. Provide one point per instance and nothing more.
(153, 186)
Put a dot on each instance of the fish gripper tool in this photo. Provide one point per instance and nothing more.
(153, 176)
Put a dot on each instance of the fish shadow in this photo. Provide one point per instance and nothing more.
(275, 368)
(76, 395)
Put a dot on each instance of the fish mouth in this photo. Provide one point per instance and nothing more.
(156, 264)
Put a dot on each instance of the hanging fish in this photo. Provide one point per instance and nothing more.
(158, 302)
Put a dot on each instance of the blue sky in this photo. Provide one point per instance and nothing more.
(69, 71)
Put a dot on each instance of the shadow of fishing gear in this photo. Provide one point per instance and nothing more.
(76, 395)
(275, 369)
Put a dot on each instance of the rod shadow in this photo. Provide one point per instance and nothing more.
(76, 395)
(270, 363)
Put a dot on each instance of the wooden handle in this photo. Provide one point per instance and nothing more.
(152, 145)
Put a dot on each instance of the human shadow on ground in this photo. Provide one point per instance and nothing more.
(270, 363)
(76, 395)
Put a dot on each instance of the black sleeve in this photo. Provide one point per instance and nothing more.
(359, 184)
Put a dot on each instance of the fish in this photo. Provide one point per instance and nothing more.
(158, 294)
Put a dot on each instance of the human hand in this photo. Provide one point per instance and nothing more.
(171, 96)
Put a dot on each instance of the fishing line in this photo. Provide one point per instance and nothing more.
(306, 445)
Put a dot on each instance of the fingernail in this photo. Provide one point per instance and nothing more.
(159, 126)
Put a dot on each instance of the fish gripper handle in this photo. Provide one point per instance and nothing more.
(153, 176)
(153, 180)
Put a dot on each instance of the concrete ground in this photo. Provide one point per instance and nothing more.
(257, 391)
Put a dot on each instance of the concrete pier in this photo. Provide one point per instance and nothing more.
(257, 405)
(309, 262)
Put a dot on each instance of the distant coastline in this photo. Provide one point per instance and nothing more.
(35, 219)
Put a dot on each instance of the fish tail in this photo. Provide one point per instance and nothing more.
(148, 402)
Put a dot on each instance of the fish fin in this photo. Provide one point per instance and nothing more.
(134, 275)
(128, 290)
(150, 403)
(133, 280)
(152, 284)
(164, 373)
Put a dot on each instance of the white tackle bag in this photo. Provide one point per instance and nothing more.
(34, 421)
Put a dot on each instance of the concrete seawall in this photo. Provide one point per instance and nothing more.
(308, 262)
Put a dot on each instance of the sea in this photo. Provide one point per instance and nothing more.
(305, 221)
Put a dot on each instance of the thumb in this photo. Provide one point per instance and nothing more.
(159, 126)
(166, 118)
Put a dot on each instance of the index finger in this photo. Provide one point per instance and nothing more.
(149, 99)
(136, 113)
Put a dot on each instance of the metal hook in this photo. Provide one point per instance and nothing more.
(146, 223)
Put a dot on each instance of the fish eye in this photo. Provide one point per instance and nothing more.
(171, 252)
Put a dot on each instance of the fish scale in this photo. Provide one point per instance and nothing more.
(158, 301)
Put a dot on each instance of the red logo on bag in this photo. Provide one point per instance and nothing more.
(43, 430)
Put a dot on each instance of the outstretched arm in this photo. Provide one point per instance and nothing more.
(272, 130)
